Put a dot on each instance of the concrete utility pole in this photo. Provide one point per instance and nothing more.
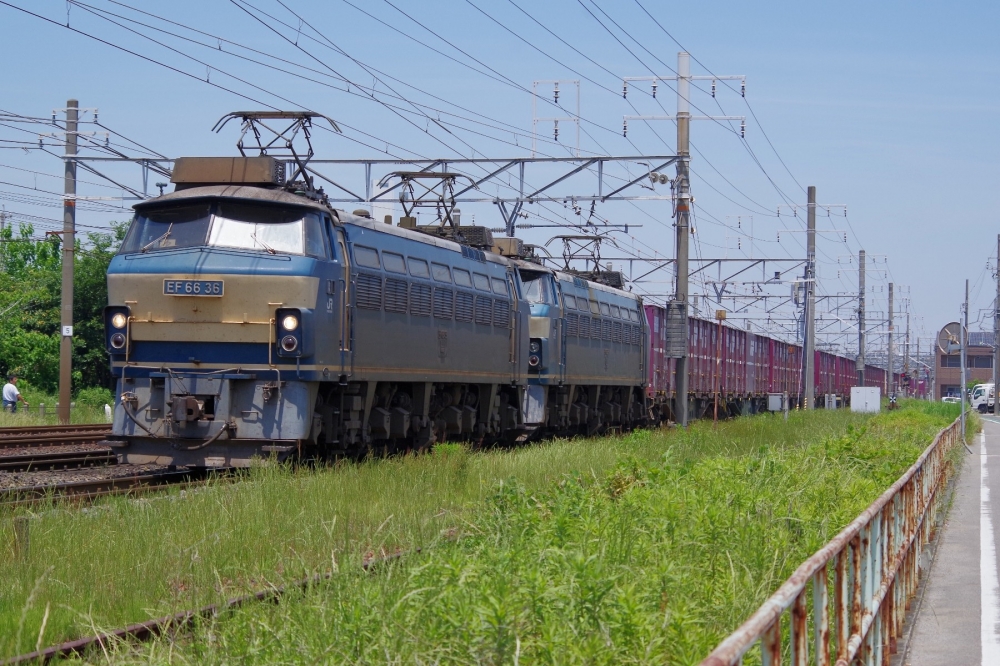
(906, 348)
(809, 349)
(683, 223)
(996, 337)
(890, 382)
(860, 366)
(69, 243)
(683, 192)
(963, 334)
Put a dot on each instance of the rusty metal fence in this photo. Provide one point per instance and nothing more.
(875, 565)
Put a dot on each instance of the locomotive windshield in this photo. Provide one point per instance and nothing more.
(538, 287)
(238, 225)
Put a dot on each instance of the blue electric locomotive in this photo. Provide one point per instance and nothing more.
(249, 318)
(246, 319)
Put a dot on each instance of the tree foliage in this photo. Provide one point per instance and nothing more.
(30, 307)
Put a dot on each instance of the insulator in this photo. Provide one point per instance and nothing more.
(624, 90)
(95, 115)
(779, 236)
(739, 244)
(845, 236)
(40, 142)
(743, 88)
(555, 130)
(555, 95)
(53, 115)
(626, 229)
(743, 129)
(624, 128)
(713, 87)
(107, 140)
(654, 89)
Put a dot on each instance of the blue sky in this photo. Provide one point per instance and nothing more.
(889, 108)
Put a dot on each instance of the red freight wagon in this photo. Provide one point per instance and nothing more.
(745, 367)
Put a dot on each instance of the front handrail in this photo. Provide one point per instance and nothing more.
(876, 571)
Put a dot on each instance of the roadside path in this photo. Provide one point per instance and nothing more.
(958, 618)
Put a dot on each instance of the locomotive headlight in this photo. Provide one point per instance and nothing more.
(118, 320)
(535, 346)
(118, 340)
(533, 361)
(289, 343)
(290, 323)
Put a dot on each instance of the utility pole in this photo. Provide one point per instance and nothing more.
(891, 383)
(810, 342)
(996, 337)
(3, 250)
(69, 243)
(683, 190)
(963, 335)
(683, 223)
(860, 366)
(906, 348)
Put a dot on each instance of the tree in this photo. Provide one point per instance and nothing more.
(30, 307)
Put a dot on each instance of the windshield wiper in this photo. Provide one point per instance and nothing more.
(270, 250)
(164, 237)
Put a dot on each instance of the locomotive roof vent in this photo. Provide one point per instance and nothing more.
(613, 279)
(197, 171)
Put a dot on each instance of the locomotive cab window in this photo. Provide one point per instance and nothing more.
(538, 287)
(272, 229)
(462, 277)
(168, 228)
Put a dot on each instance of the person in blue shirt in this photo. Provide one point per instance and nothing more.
(11, 395)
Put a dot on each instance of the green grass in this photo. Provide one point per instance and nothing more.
(648, 547)
(89, 407)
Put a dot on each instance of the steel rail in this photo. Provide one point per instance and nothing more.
(53, 460)
(876, 570)
(17, 431)
(92, 488)
(53, 435)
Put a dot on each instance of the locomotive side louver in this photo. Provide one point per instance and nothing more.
(420, 300)
(369, 291)
(463, 306)
(444, 306)
(483, 310)
(395, 295)
(501, 314)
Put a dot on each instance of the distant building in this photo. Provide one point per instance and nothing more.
(979, 360)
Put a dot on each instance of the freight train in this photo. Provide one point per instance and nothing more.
(249, 318)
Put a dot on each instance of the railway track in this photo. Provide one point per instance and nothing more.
(63, 457)
(25, 436)
(38, 463)
(91, 484)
